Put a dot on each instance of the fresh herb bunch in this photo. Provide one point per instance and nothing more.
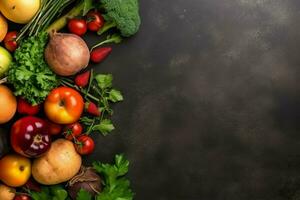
(116, 186)
(56, 192)
(29, 73)
(101, 92)
(48, 12)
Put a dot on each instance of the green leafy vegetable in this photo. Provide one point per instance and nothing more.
(104, 80)
(123, 15)
(105, 127)
(117, 187)
(115, 96)
(83, 195)
(29, 73)
(56, 192)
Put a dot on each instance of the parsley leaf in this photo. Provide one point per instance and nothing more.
(83, 195)
(56, 192)
(104, 80)
(29, 73)
(117, 187)
(104, 127)
(115, 96)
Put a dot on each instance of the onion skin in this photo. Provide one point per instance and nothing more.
(66, 54)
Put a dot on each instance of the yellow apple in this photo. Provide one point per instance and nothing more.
(19, 11)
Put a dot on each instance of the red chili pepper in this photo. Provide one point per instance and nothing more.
(82, 80)
(99, 54)
(92, 109)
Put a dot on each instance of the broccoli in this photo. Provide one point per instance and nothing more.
(122, 14)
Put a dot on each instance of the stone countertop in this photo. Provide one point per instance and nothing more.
(212, 96)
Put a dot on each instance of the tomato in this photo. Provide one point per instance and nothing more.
(10, 42)
(29, 137)
(95, 21)
(84, 145)
(64, 105)
(26, 108)
(15, 170)
(22, 197)
(53, 128)
(77, 26)
(71, 131)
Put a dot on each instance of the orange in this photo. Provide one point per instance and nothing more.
(3, 27)
(8, 104)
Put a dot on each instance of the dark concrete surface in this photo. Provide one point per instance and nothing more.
(212, 100)
(212, 95)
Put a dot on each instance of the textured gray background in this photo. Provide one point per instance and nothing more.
(212, 100)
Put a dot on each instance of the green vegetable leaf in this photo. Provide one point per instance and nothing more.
(115, 96)
(83, 195)
(88, 5)
(104, 80)
(56, 192)
(29, 74)
(43, 195)
(105, 127)
(117, 187)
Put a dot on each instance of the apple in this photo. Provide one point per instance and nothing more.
(29, 136)
(15, 170)
(5, 60)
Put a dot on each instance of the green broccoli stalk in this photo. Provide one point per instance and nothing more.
(115, 38)
(123, 15)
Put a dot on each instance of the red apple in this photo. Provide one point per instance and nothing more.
(29, 137)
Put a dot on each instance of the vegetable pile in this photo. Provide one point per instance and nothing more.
(54, 102)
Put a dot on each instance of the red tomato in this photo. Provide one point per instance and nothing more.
(22, 197)
(77, 26)
(26, 108)
(95, 21)
(10, 42)
(84, 145)
(71, 131)
(64, 105)
(53, 128)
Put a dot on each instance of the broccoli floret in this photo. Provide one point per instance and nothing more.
(122, 14)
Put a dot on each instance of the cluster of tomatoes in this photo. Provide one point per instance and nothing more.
(31, 135)
(93, 22)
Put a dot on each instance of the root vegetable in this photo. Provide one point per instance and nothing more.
(86, 179)
(58, 165)
(66, 54)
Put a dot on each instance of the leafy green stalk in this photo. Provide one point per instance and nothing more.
(116, 186)
(115, 38)
(49, 10)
